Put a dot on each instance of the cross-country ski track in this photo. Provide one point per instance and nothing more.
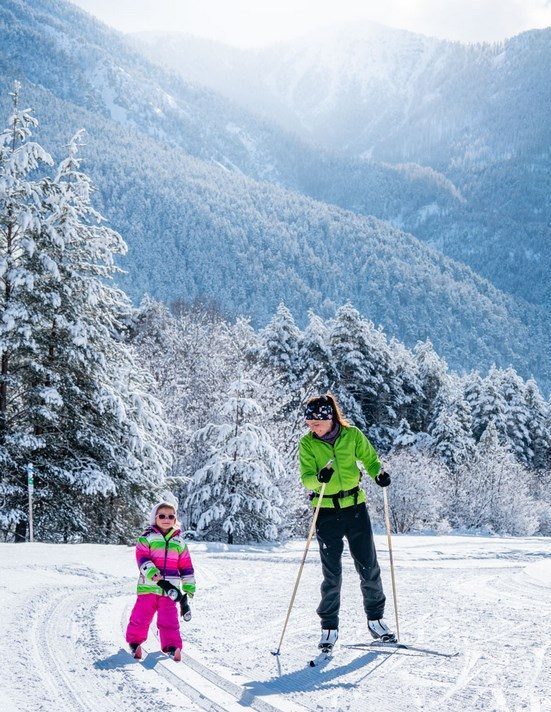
(476, 612)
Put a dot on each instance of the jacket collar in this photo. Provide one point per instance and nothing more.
(169, 535)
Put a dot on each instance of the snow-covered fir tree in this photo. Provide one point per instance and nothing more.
(22, 218)
(317, 373)
(517, 415)
(235, 492)
(87, 423)
(539, 426)
(350, 348)
(408, 390)
(278, 364)
(488, 404)
(431, 372)
(451, 428)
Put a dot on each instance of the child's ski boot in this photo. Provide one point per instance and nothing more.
(174, 653)
(136, 651)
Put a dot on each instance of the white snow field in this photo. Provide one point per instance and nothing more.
(486, 599)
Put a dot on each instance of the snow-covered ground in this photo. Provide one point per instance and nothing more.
(486, 599)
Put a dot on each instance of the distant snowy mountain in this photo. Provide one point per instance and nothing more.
(95, 68)
(477, 114)
(391, 94)
(171, 181)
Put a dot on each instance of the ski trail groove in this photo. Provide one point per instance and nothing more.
(57, 661)
(209, 689)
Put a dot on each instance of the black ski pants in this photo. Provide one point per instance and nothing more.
(331, 528)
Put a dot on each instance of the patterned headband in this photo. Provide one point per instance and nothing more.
(319, 409)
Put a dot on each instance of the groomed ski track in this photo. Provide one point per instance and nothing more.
(64, 608)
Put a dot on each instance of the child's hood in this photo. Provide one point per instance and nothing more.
(155, 509)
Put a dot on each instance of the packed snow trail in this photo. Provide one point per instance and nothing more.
(64, 608)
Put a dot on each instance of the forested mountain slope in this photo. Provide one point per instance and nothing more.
(476, 114)
(195, 228)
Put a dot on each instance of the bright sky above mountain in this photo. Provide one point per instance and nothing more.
(249, 23)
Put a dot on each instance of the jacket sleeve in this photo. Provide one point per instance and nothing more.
(366, 453)
(185, 568)
(143, 559)
(308, 467)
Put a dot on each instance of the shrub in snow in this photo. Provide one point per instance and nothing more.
(419, 490)
(496, 491)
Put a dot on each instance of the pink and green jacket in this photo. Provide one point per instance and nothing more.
(166, 556)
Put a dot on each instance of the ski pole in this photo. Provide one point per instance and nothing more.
(310, 535)
(387, 521)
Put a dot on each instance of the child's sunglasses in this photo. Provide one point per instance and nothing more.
(166, 516)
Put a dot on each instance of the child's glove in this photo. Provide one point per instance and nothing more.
(185, 610)
(171, 591)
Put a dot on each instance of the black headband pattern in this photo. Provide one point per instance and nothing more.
(319, 409)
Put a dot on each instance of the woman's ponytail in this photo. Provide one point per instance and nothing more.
(338, 415)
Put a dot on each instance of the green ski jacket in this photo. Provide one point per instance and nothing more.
(350, 447)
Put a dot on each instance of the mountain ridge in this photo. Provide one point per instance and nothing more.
(197, 229)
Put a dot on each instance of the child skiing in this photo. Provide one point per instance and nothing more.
(165, 571)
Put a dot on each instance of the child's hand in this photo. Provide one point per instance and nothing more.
(170, 590)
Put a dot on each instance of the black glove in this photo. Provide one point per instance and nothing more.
(383, 479)
(324, 475)
(171, 591)
(185, 610)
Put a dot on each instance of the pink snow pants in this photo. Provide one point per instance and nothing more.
(167, 620)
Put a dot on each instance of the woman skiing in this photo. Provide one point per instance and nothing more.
(329, 453)
(165, 570)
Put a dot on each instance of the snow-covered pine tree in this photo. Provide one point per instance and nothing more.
(88, 426)
(234, 494)
(487, 403)
(316, 370)
(107, 447)
(359, 381)
(432, 374)
(277, 364)
(451, 429)
(276, 361)
(22, 218)
(280, 342)
(517, 415)
(539, 426)
(403, 436)
(408, 384)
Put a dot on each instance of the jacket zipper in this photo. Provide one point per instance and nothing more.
(166, 554)
(335, 461)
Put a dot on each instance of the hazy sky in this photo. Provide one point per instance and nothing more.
(248, 23)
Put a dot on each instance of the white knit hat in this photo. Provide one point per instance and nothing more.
(155, 509)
